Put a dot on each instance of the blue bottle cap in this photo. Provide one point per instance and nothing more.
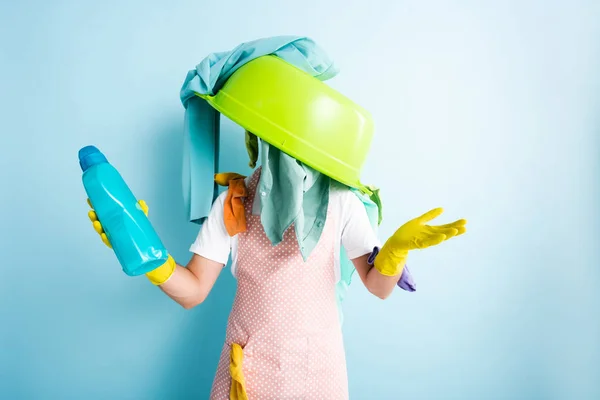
(90, 156)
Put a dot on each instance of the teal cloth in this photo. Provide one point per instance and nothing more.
(292, 193)
(201, 142)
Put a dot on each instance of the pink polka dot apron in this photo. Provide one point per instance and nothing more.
(284, 317)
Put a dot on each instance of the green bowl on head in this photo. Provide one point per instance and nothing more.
(299, 114)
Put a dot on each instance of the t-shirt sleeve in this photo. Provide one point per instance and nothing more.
(358, 236)
(213, 241)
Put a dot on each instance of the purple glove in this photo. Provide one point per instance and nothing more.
(406, 281)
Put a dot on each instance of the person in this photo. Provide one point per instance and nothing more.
(284, 316)
(285, 225)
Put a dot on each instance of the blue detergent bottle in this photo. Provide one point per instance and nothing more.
(135, 242)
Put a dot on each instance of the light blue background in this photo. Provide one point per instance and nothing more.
(487, 108)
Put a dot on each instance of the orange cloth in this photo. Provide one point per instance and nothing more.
(233, 209)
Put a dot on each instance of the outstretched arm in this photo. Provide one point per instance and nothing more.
(376, 283)
(382, 268)
(360, 242)
(389, 263)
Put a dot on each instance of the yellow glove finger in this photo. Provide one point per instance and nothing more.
(105, 240)
(144, 206)
(98, 227)
(455, 224)
(100, 230)
(448, 232)
(429, 215)
(428, 241)
(460, 229)
(93, 216)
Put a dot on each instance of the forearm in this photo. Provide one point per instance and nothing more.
(190, 285)
(382, 285)
(376, 283)
(184, 287)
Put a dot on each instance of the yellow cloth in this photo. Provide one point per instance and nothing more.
(414, 234)
(238, 384)
(233, 209)
(157, 276)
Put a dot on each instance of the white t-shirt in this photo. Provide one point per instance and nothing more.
(353, 230)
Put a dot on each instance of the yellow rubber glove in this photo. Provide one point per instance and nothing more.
(157, 276)
(238, 383)
(415, 234)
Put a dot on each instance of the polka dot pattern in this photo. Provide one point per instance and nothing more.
(285, 318)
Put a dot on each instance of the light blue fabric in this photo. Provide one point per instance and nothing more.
(201, 152)
(305, 192)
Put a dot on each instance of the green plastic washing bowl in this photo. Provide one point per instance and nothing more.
(300, 115)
